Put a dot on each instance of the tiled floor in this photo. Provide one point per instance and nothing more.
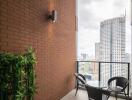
(81, 95)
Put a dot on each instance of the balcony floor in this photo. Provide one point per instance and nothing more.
(81, 95)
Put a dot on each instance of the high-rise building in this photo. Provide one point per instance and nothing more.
(128, 57)
(112, 48)
(97, 51)
(83, 57)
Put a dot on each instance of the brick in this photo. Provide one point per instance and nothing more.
(23, 23)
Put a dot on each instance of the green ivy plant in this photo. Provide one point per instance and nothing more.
(17, 76)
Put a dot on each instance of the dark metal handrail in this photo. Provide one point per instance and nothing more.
(104, 62)
(100, 62)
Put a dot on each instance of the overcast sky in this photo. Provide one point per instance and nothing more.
(91, 13)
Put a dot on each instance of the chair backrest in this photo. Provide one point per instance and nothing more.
(80, 78)
(120, 81)
(94, 93)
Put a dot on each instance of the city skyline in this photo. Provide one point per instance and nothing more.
(111, 48)
(89, 18)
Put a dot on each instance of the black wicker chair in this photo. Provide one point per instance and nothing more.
(80, 81)
(121, 84)
(96, 93)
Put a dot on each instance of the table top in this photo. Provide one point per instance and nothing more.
(94, 83)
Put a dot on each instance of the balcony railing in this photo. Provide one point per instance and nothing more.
(98, 72)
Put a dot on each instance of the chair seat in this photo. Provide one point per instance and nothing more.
(116, 89)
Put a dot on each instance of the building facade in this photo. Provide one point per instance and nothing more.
(97, 51)
(112, 48)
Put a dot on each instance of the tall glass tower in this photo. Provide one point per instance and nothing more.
(112, 48)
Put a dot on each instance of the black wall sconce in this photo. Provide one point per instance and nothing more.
(53, 16)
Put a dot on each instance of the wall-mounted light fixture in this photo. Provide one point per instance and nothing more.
(53, 16)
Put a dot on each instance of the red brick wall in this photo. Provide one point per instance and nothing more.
(23, 23)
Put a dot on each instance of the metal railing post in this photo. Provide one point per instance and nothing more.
(77, 71)
(128, 78)
(99, 72)
(77, 67)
